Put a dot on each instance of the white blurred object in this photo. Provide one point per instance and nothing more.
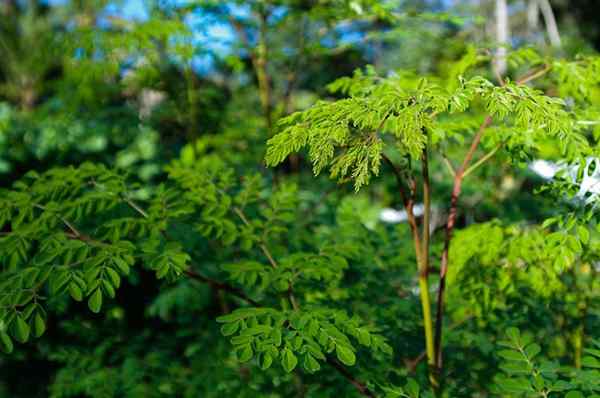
(590, 184)
(149, 99)
(544, 168)
(394, 216)
(589, 187)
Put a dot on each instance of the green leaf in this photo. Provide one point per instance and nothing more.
(21, 330)
(590, 362)
(121, 264)
(114, 277)
(75, 291)
(532, 350)
(266, 360)
(311, 364)
(412, 388)
(574, 394)
(245, 353)
(288, 360)
(584, 234)
(561, 385)
(7, 344)
(511, 355)
(39, 326)
(519, 385)
(230, 328)
(345, 355)
(514, 334)
(95, 301)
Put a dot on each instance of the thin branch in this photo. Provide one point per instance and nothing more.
(221, 286)
(72, 228)
(259, 61)
(449, 166)
(134, 206)
(473, 147)
(534, 75)
(424, 265)
(498, 75)
(262, 246)
(481, 161)
(550, 21)
(362, 389)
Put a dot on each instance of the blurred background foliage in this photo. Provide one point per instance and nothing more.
(138, 84)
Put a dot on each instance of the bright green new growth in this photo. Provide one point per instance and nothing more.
(350, 135)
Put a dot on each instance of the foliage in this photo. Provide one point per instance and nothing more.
(146, 250)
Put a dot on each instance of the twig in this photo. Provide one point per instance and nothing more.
(221, 286)
(449, 166)
(534, 75)
(262, 246)
(481, 161)
(135, 207)
(362, 389)
(74, 230)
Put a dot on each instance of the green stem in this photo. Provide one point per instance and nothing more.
(408, 202)
(481, 161)
(424, 268)
(428, 327)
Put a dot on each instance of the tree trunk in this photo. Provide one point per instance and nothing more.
(550, 22)
(502, 35)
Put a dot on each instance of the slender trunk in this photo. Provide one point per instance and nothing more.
(264, 84)
(550, 22)
(259, 58)
(450, 223)
(424, 267)
(533, 17)
(408, 202)
(502, 35)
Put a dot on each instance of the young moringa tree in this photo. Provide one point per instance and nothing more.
(403, 122)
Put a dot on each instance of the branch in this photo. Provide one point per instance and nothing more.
(362, 389)
(463, 171)
(449, 166)
(71, 227)
(481, 161)
(534, 75)
(221, 286)
(262, 246)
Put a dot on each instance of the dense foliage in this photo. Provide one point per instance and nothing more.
(166, 230)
